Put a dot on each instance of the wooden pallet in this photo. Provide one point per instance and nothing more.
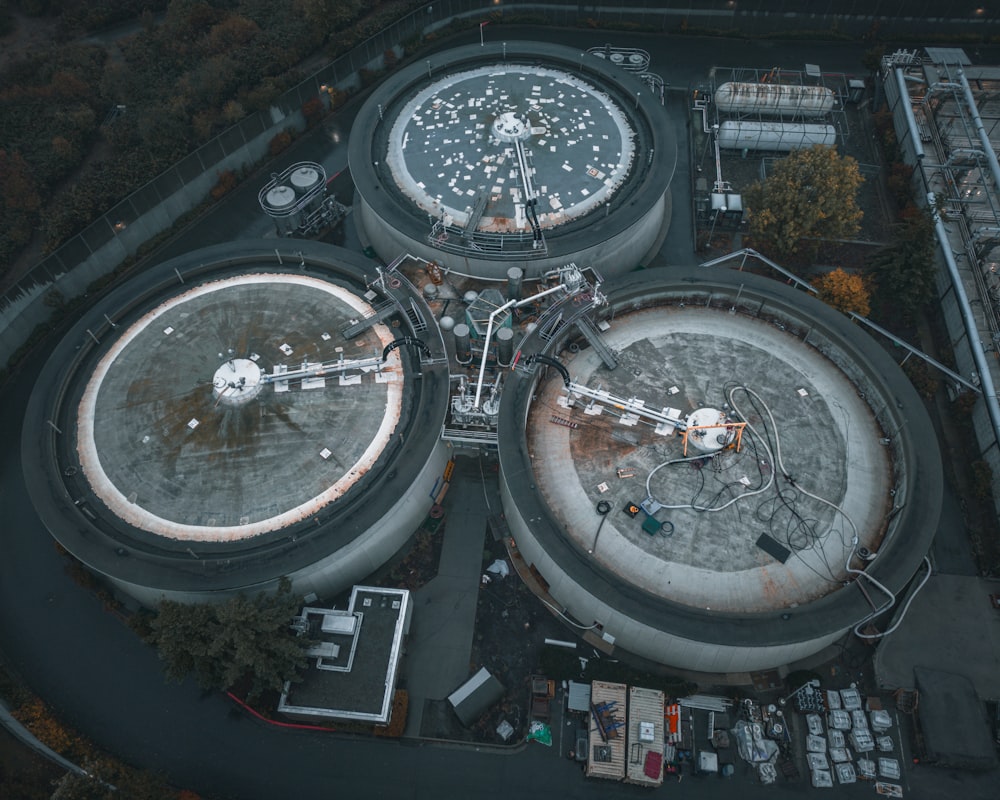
(907, 700)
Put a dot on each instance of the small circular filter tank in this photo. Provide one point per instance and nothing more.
(279, 203)
(305, 180)
(446, 323)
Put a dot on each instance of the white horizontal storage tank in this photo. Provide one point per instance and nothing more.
(779, 137)
(774, 99)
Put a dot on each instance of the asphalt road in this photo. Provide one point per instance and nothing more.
(102, 680)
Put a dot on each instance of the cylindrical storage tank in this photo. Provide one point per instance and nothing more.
(774, 99)
(470, 296)
(707, 600)
(446, 323)
(279, 204)
(305, 181)
(514, 277)
(430, 291)
(399, 143)
(775, 137)
(463, 350)
(253, 503)
(505, 346)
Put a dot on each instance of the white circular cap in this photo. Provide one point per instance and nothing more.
(509, 127)
(236, 382)
(280, 197)
(707, 430)
(304, 178)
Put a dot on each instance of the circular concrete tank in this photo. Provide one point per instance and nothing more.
(516, 154)
(236, 427)
(741, 553)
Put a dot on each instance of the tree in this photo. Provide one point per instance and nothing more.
(109, 779)
(904, 270)
(844, 291)
(810, 194)
(225, 643)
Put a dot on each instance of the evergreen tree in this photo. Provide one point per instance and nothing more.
(904, 271)
(244, 638)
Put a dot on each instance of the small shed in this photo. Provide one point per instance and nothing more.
(579, 697)
(476, 695)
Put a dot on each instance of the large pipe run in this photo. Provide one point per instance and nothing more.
(911, 121)
(984, 137)
(971, 329)
(944, 243)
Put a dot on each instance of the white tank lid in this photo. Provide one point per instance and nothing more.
(280, 197)
(304, 178)
(447, 323)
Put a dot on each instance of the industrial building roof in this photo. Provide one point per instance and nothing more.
(355, 680)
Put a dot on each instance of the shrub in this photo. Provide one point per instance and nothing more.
(982, 480)
(279, 143)
(312, 110)
(226, 183)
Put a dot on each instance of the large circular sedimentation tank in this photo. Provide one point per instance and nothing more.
(513, 154)
(227, 419)
(725, 530)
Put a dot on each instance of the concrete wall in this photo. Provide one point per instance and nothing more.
(656, 644)
(340, 570)
(616, 255)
